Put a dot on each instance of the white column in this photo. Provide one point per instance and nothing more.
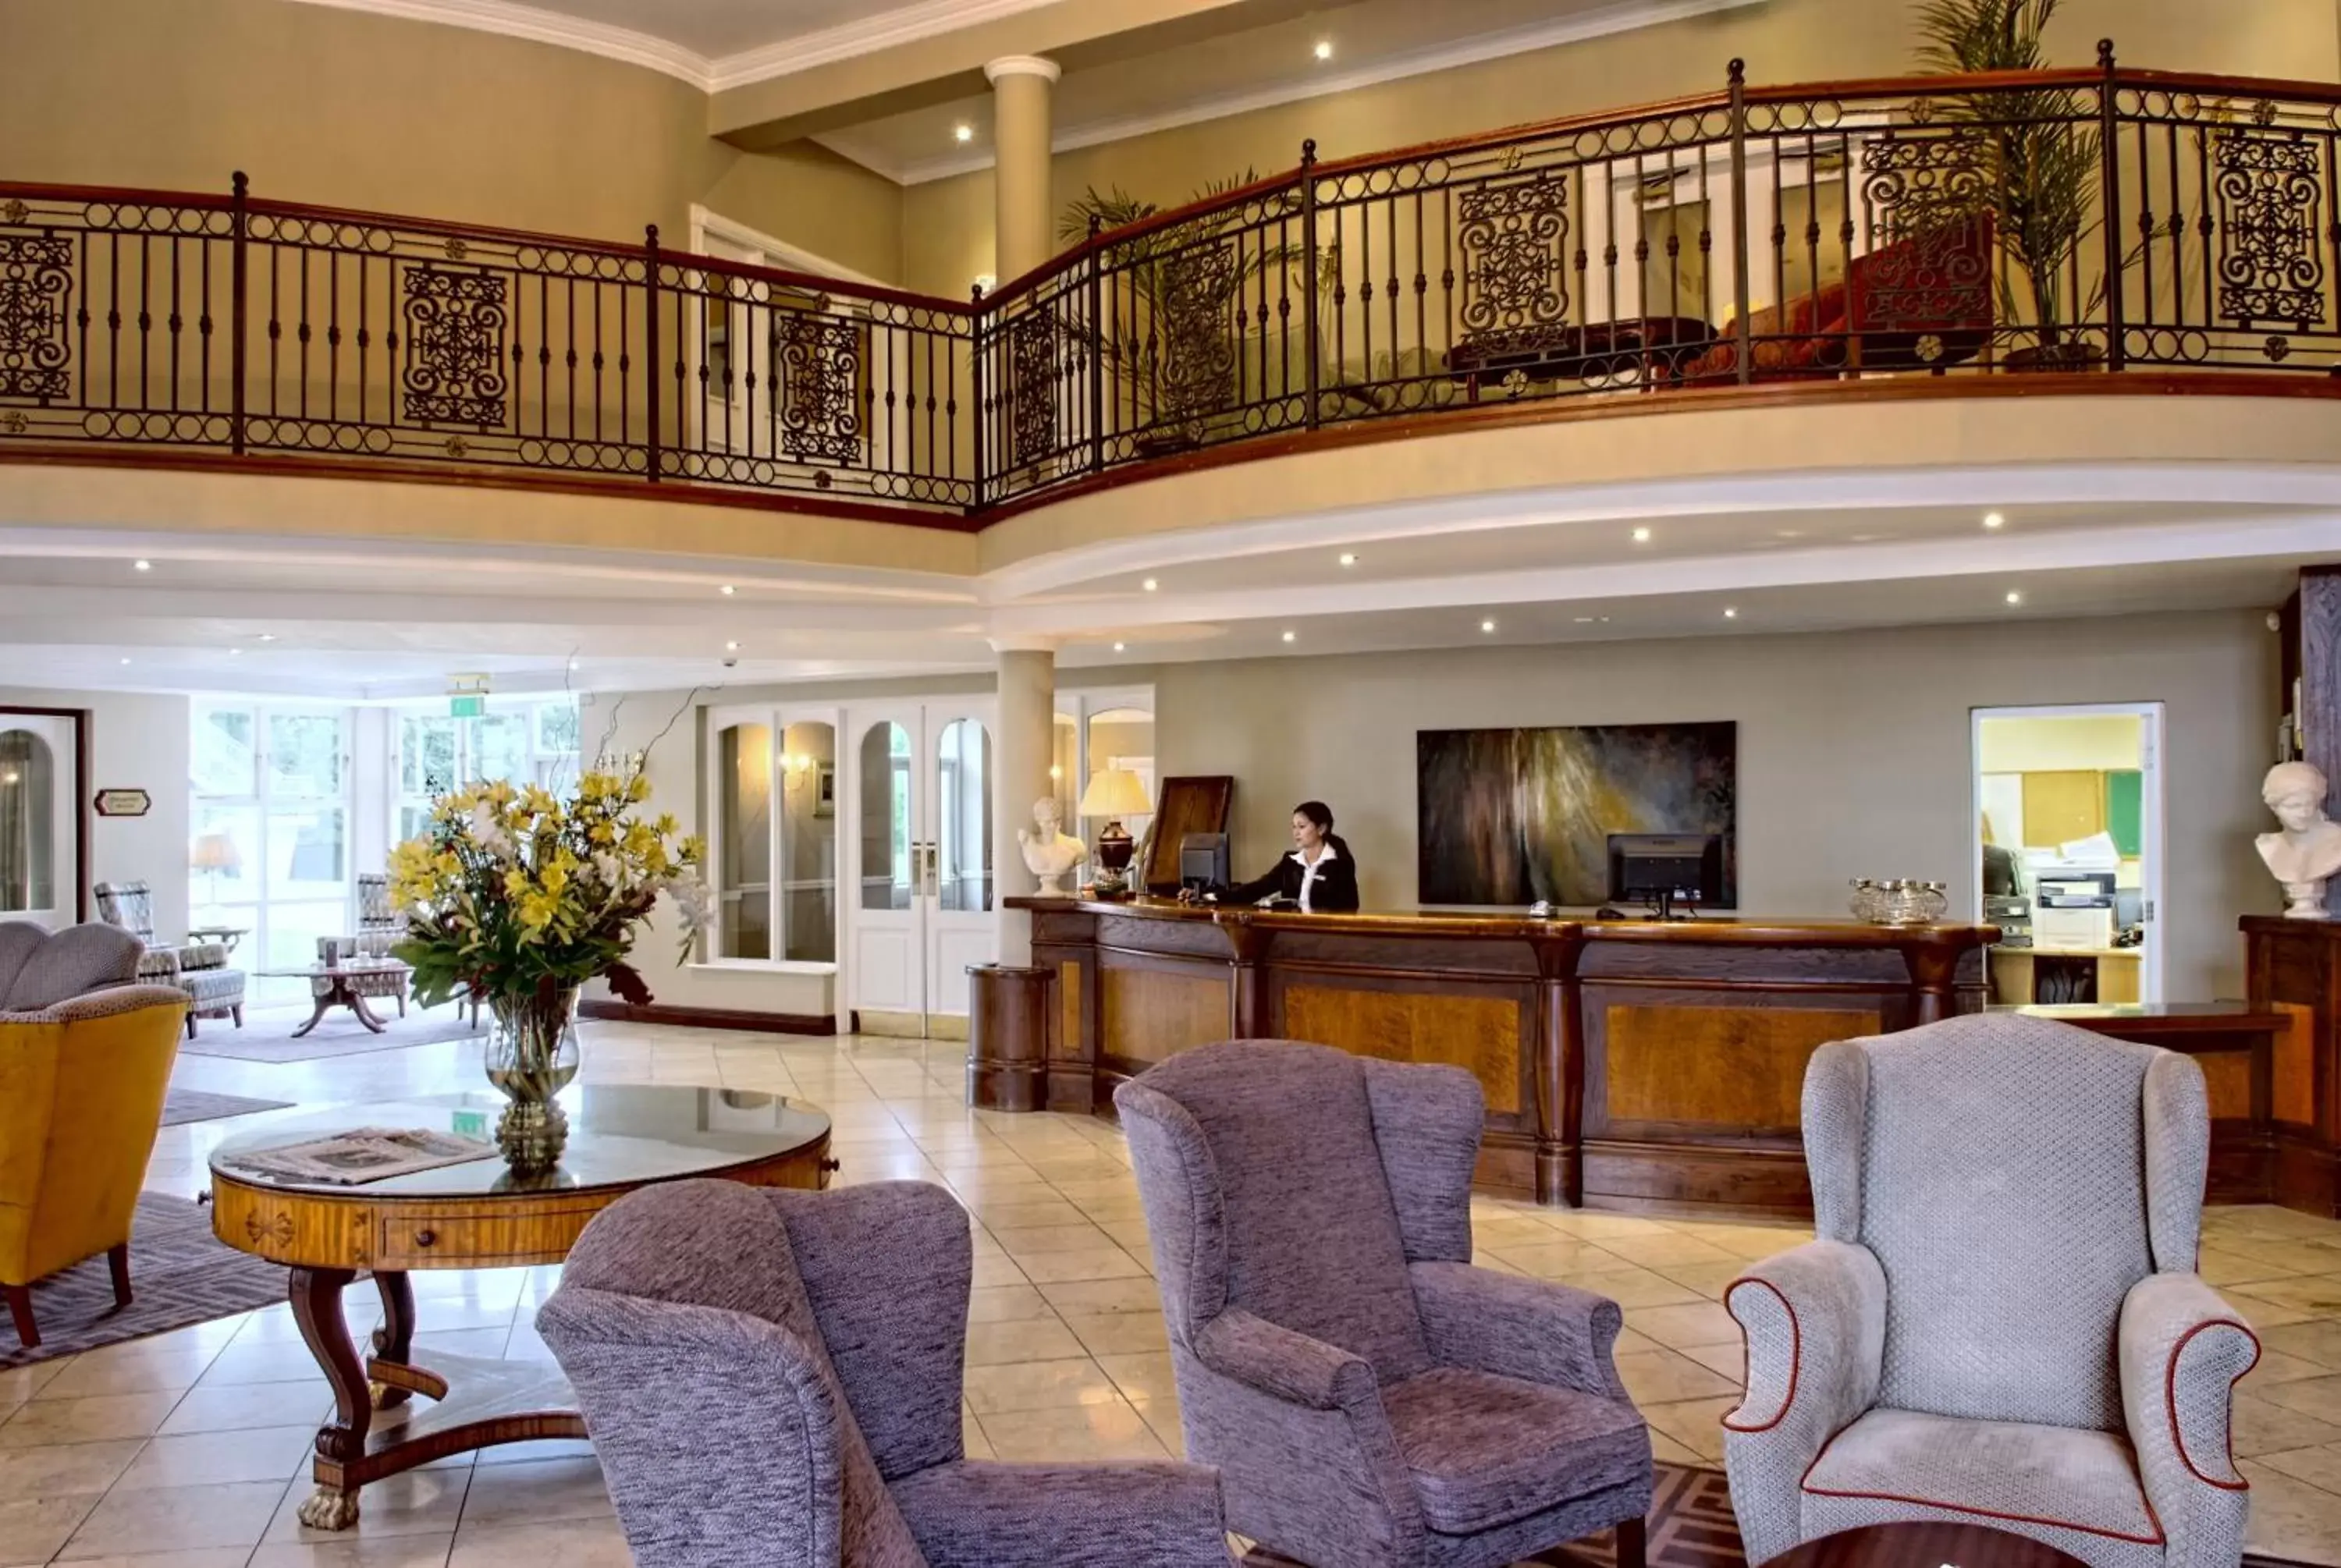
(1021, 753)
(1023, 214)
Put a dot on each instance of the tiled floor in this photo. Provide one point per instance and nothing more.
(190, 1449)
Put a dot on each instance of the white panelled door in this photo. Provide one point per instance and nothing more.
(920, 846)
(40, 802)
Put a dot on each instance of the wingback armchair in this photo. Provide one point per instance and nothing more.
(380, 928)
(1999, 1319)
(772, 1379)
(198, 969)
(85, 1059)
(1371, 1399)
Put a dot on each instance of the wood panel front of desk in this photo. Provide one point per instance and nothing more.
(1626, 1064)
(2294, 969)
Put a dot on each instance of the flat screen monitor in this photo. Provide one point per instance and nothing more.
(1204, 860)
(1665, 868)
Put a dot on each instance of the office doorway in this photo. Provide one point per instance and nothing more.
(2067, 820)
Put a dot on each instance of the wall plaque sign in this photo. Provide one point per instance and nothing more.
(124, 802)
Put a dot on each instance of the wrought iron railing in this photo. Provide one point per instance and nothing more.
(2079, 222)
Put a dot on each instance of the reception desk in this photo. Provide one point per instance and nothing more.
(1625, 1063)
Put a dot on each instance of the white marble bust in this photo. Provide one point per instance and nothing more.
(2308, 850)
(1050, 852)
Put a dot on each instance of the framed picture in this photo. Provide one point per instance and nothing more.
(824, 800)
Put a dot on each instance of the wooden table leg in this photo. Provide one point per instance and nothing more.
(394, 1340)
(317, 1308)
(323, 1003)
(365, 1015)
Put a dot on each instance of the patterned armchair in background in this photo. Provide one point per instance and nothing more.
(198, 969)
(379, 928)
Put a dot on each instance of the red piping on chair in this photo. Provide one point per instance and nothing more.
(1805, 1484)
(1796, 1355)
(2170, 1401)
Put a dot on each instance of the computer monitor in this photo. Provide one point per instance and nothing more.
(1663, 868)
(1204, 860)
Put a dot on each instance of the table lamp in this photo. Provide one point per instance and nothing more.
(1114, 793)
(214, 853)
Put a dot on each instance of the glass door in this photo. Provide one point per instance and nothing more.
(39, 876)
(961, 929)
(922, 853)
(888, 969)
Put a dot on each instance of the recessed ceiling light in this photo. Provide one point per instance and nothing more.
(233, 651)
(963, 133)
(144, 565)
(1120, 646)
(572, 664)
(1055, 772)
(1641, 536)
(125, 662)
(1729, 614)
(731, 647)
(1487, 626)
(1993, 520)
(2013, 597)
(1324, 50)
(268, 636)
(1288, 637)
(1349, 560)
(729, 591)
(1150, 585)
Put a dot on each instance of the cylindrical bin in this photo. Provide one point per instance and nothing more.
(1008, 1036)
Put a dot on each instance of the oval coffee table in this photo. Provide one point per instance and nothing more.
(473, 1215)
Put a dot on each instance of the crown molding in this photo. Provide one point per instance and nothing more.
(1021, 65)
(1624, 16)
(510, 20)
(886, 30)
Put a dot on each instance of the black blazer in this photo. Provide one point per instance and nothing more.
(1336, 892)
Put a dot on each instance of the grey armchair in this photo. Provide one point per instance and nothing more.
(1372, 1400)
(2000, 1320)
(198, 970)
(772, 1380)
(380, 928)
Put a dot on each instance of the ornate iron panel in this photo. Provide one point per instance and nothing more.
(1032, 387)
(1514, 239)
(35, 291)
(1199, 350)
(821, 370)
(2269, 201)
(455, 323)
(1929, 195)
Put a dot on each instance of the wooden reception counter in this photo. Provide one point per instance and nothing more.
(1625, 1062)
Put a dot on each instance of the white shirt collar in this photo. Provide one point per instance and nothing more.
(1325, 852)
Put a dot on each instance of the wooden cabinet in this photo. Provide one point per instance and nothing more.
(2063, 805)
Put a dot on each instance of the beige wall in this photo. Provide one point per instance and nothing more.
(1853, 748)
(136, 742)
(341, 108)
(947, 224)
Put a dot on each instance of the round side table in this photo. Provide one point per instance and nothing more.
(477, 1215)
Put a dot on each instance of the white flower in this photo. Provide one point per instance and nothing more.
(488, 834)
(693, 901)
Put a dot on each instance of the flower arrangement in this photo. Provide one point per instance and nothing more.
(518, 897)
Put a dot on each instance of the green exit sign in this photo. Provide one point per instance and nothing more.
(471, 706)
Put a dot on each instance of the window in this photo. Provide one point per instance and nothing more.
(524, 743)
(27, 815)
(273, 782)
(775, 837)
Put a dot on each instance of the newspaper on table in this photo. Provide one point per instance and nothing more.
(366, 1155)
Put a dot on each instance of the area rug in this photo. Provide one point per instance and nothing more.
(196, 1105)
(179, 1274)
(269, 1038)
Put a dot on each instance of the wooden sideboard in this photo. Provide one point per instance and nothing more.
(1625, 1063)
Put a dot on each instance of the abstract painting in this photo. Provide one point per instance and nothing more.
(1517, 815)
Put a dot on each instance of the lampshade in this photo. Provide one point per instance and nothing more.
(215, 852)
(1115, 793)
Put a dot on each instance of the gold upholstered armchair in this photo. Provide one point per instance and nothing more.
(85, 1056)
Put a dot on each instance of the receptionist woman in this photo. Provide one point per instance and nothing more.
(1319, 875)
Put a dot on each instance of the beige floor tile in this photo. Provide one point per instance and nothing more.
(997, 1271)
(2219, 1266)
(1029, 1240)
(1142, 1378)
(539, 1490)
(1120, 1332)
(1092, 1298)
(540, 1448)
(2264, 1316)
(426, 1502)
(1702, 1323)
(95, 1420)
(209, 1458)
(571, 1543)
(197, 1557)
(2275, 1366)
(173, 1371)
(1666, 1247)
(2290, 1518)
(1016, 1211)
(1667, 1451)
(1112, 1430)
(1554, 1256)
(1711, 1280)
(1665, 1376)
(1005, 1304)
(1036, 1385)
(250, 1404)
(1696, 1423)
(1044, 1268)
(2320, 1467)
(1728, 1359)
(32, 1528)
(1595, 1225)
(2311, 1340)
(2259, 1427)
(1632, 1287)
(1003, 1344)
(19, 1383)
(267, 1362)
(64, 1469)
(366, 1551)
(2316, 1396)
(162, 1518)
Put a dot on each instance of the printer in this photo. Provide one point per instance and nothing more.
(2073, 895)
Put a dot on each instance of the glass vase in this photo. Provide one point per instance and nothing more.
(532, 1055)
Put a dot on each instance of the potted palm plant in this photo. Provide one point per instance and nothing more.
(2042, 173)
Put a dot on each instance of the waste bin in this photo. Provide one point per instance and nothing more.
(1008, 1036)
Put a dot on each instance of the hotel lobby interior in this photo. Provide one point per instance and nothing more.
(1030, 782)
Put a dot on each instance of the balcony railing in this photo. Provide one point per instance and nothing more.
(2082, 222)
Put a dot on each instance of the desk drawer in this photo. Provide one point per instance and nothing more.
(533, 1233)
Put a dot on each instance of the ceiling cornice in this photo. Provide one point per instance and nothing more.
(866, 36)
(1624, 16)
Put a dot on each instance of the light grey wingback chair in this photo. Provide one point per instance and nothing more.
(772, 1380)
(1371, 1399)
(2000, 1320)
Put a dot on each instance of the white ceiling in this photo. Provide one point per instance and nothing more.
(383, 619)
